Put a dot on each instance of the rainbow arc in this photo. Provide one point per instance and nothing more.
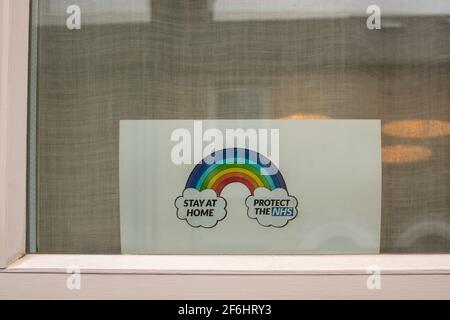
(235, 166)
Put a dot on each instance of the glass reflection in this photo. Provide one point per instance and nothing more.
(235, 10)
(417, 128)
(405, 154)
(98, 12)
(305, 116)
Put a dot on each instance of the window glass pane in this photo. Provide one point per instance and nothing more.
(95, 63)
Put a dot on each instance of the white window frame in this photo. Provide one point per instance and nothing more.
(198, 277)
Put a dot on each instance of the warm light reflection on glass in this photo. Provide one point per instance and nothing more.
(417, 128)
(306, 116)
(405, 154)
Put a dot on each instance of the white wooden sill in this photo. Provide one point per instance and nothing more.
(223, 265)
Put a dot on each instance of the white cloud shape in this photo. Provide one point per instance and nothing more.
(272, 208)
(201, 208)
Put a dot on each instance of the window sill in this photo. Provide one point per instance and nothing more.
(246, 265)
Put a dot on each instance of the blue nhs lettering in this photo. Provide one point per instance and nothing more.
(282, 211)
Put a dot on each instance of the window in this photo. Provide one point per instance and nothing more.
(171, 60)
(264, 276)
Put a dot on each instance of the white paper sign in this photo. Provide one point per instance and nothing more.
(304, 187)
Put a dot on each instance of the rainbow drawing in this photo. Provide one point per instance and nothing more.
(228, 166)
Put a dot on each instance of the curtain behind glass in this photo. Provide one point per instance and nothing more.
(167, 59)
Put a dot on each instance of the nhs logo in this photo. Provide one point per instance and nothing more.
(282, 212)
